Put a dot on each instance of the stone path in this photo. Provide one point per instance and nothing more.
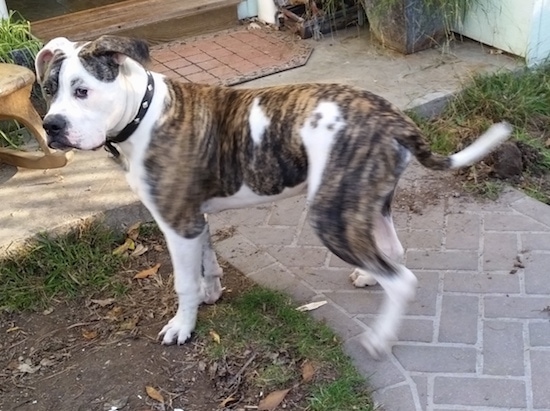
(477, 337)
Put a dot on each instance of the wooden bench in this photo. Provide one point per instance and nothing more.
(15, 104)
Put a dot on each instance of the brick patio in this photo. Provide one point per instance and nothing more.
(230, 57)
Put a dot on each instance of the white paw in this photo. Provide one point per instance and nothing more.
(376, 344)
(211, 290)
(361, 278)
(176, 331)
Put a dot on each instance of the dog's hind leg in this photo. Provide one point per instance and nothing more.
(400, 289)
(386, 241)
(359, 233)
(211, 288)
(186, 261)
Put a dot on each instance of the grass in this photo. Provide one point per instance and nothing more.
(65, 267)
(520, 98)
(251, 320)
(262, 320)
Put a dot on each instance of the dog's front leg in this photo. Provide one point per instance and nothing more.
(186, 254)
(211, 272)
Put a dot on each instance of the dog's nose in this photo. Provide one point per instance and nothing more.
(54, 125)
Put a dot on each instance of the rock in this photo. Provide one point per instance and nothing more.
(508, 161)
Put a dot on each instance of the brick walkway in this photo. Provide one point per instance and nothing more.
(230, 57)
(478, 335)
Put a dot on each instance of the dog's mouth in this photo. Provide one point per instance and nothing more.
(64, 145)
(57, 145)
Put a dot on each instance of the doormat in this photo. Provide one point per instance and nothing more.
(231, 56)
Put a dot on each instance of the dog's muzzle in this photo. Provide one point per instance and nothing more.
(56, 129)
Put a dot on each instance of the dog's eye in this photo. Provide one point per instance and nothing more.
(80, 92)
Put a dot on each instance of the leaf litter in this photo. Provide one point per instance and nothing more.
(114, 353)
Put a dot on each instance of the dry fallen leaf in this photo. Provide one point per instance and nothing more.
(133, 231)
(311, 306)
(273, 400)
(140, 250)
(215, 336)
(128, 324)
(154, 394)
(307, 371)
(114, 313)
(89, 335)
(128, 245)
(148, 273)
(104, 303)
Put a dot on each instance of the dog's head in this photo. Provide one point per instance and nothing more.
(87, 86)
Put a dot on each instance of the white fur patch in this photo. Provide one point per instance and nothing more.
(318, 135)
(245, 197)
(186, 261)
(258, 122)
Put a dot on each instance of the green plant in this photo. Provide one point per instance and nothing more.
(17, 46)
(10, 134)
(15, 34)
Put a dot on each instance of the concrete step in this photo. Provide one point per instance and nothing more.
(155, 20)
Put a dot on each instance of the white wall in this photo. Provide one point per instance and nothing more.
(3, 9)
(520, 27)
(539, 42)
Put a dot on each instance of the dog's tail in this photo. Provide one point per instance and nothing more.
(488, 141)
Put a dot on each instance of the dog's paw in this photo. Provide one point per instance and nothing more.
(211, 290)
(361, 278)
(177, 331)
(377, 345)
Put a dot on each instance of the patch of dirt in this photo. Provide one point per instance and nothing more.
(421, 187)
(101, 354)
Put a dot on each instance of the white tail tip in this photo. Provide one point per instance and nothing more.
(496, 134)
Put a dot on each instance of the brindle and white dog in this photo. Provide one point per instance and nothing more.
(195, 149)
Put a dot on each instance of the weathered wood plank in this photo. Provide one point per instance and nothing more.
(177, 28)
(125, 16)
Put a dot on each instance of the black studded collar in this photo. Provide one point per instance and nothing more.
(127, 131)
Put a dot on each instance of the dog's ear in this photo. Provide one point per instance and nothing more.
(46, 55)
(118, 48)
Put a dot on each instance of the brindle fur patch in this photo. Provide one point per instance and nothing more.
(203, 146)
(99, 57)
(50, 86)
